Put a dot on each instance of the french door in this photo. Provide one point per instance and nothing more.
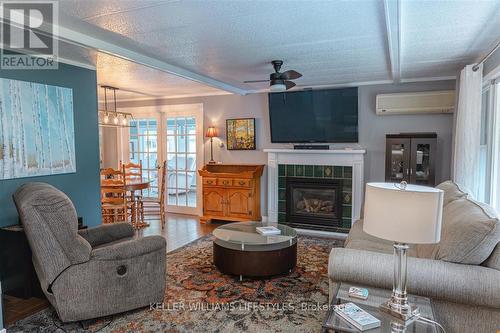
(143, 148)
(171, 133)
(183, 146)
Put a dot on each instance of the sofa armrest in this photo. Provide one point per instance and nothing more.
(468, 284)
(130, 248)
(107, 233)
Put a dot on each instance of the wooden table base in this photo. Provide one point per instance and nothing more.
(255, 263)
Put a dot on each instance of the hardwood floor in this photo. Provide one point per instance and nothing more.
(17, 308)
(179, 230)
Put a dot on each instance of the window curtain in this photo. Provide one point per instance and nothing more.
(495, 142)
(467, 130)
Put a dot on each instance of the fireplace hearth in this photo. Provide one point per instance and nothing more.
(314, 203)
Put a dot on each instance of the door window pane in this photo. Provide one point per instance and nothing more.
(190, 126)
(191, 144)
(181, 144)
(171, 127)
(191, 162)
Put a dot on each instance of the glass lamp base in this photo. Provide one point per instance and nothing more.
(407, 313)
(398, 305)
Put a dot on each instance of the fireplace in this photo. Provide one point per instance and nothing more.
(314, 203)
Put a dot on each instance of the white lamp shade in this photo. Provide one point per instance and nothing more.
(411, 215)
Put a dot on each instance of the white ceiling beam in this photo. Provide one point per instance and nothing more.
(113, 49)
(327, 86)
(392, 14)
(429, 78)
(142, 59)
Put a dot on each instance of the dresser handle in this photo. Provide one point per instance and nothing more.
(209, 182)
(225, 182)
(242, 182)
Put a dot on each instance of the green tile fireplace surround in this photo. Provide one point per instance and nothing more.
(334, 165)
(343, 173)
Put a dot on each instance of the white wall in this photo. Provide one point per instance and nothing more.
(372, 128)
(109, 146)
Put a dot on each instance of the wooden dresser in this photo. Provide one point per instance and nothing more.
(231, 192)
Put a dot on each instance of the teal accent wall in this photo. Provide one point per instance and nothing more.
(83, 186)
(1, 307)
(317, 171)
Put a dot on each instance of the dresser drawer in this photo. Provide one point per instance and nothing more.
(210, 181)
(225, 181)
(242, 182)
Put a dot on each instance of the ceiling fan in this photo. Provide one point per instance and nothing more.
(279, 81)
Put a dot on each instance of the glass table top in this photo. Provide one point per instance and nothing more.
(244, 237)
(371, 305)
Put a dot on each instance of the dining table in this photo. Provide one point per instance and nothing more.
(130, 186)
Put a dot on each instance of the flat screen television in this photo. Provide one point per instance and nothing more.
(311, 116)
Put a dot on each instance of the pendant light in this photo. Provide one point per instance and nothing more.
(113, 118)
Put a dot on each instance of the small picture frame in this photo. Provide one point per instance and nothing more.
(240, 134)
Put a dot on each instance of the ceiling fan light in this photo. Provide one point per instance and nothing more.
(106, 118)
(115, 120)
(277, 87)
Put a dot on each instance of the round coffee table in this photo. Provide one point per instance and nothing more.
(240, 250)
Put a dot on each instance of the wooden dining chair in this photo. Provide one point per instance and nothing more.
(160, 201)
(114, 205)
(132, 172)
(111, 174)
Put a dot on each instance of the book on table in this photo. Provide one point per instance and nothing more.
(356, 316)
(269, 230)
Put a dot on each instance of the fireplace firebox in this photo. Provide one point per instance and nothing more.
(314, 203)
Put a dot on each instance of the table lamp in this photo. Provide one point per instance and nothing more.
(211, 133)
(405, 214)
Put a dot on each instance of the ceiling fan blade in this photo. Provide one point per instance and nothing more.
(254, 81)
(289, 84)
(290, 75)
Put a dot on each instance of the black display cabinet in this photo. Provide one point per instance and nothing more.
(411, 157)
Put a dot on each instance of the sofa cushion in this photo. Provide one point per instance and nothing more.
(451, 191)
(360, 240)
(470, 232)
(494, 259)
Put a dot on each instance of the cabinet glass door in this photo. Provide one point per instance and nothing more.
(421, 169)
(398, 160)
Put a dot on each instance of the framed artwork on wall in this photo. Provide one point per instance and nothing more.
(37, 136)
(240, 134)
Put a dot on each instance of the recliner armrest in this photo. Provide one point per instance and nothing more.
(129, 249)
(107, 233)
(459, 283)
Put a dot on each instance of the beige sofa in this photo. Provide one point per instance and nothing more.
(461, 274)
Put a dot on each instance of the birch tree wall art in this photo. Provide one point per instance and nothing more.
(37, 135)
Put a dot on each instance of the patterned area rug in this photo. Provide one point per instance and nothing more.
(201, 299)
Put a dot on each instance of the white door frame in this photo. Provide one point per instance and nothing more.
(160, 112)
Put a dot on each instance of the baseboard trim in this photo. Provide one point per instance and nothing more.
(321, 233)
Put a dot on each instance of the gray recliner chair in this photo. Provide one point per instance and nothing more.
(89, 273)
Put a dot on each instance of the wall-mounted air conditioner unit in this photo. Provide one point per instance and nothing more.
(416, 102)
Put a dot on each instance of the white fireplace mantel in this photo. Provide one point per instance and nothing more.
(337, 157)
